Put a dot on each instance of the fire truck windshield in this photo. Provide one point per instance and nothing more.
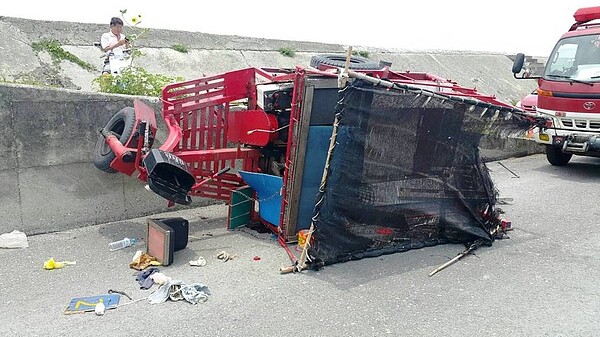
(575, 59)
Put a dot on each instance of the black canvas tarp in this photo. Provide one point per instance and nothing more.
(405, 173)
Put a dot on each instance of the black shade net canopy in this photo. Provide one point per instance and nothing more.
(404, 172)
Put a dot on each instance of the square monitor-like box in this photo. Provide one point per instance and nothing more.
(160, 241)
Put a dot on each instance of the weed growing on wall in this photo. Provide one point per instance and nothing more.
(180, 48)
(361, 53)
(287, 51)
(56, 51)
(135, 81)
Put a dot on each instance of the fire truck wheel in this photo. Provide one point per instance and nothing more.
(356, 63)
(121, 124)
(556, 157)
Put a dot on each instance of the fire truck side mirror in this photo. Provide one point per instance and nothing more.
(518, 63)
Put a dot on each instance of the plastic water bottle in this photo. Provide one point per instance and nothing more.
(126, 242)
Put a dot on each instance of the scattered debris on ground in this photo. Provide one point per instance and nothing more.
(14, 239)
(225, 256)
(143, 261)
(51, 264)
(200, 262)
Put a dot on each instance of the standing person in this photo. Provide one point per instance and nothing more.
(113, 41)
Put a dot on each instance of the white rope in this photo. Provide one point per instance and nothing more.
(266, 131)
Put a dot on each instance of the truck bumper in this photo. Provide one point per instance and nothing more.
(569, 141)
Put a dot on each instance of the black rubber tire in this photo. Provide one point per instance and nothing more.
(356, 63)
(556, 157)
(121, 124)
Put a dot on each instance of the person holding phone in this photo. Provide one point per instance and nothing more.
(113, 41)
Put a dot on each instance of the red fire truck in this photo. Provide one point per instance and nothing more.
(569, 91)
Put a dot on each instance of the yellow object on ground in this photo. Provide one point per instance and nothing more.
(51, 264)
(302, 234)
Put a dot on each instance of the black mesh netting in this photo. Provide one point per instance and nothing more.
(405, 173)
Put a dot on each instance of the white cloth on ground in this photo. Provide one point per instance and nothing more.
(176, 290)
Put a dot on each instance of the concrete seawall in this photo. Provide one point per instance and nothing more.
(47, 136)
(210, 54)
(48, 181)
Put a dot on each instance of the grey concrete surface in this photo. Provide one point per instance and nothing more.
(274, 59)
(48, 180)
(15, 52)
(211, 54)
(494, 148)
(10, 201)
(542, 281)
(84, 34)
(8, 158)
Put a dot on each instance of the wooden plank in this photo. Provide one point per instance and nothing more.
(297, 163)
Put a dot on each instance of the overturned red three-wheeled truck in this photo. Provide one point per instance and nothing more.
(372, 160)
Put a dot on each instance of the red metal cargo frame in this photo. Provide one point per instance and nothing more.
(196, 112)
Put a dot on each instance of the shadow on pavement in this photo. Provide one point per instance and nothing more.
(580, 169)
(352, 274)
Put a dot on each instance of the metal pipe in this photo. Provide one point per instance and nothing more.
(117, 148)
(221, 171)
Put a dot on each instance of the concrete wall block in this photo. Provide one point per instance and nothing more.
(497, 148)
(64, 132)
(191, 65)
(87, 53)
(490, 74)
(141, 202)
(523, 147)
(8, 157)
(82, 78)
(66, 124)
(15, 46)
(83, 34)
(10, 211)
(69, 196)
(414, 62)
(274, 59)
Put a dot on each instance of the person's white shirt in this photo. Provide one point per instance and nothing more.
(110, 39)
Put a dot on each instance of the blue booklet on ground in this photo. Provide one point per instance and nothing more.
(83, 304)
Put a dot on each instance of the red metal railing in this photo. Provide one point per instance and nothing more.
(425, 81)
(196, 113)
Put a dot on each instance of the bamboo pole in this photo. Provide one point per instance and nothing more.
(471, 248)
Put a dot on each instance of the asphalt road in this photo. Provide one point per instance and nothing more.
(540, 282)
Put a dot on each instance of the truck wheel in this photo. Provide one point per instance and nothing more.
(121, 124)
(356, 63)
(556, 157)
